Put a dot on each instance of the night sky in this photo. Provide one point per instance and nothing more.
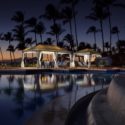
(34, 8)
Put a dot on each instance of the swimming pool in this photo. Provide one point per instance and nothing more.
(22, 95)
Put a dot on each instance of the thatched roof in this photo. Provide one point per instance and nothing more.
(49, 48)
(87, 51)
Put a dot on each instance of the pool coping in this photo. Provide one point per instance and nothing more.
(59, 70)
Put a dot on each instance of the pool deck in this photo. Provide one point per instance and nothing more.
(31, 70)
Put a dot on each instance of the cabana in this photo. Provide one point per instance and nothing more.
(40, 50)
(88, 55)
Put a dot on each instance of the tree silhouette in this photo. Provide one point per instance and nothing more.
(56, 30)
(69, 39)
(18, 17)
(72, 4)
(116, 31)
(108, 4)
(1, 53)
(48, 41)
(51, 13)
(40, 29)
(107, 46)
(67, 16)
(82, 45)
(31, 23)
(99, 13)
(20, 36)
(93, 30)
(9, 37)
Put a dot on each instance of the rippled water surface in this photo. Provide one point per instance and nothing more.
(21, 95)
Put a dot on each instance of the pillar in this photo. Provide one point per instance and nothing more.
(72, 58)
(22, 61)
(89, 61)
(38, 60)
(55, 60)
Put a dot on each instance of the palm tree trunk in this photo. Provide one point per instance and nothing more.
(41, 38)
(118, 36)
(74, 17)
(110, 27)
(1, 54)
(70, 26)
(101, 25)
(95, 40)
(57, 39)
(35, 39)
(13, 56)
(10, 57)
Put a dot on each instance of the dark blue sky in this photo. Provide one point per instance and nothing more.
(36, 7)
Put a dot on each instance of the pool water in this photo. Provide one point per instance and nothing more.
(22, 95)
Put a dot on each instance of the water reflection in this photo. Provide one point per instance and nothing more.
(23, 94)
(8, 90)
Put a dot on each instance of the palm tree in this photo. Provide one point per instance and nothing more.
(67, 16)
(19, 30)
(40, 29)
(29, 41)
(18, 17)
(49, 41)
(51, 13)
(93, 30)
(73, 4)
(20, 36)
(1, 38)
(56, 30)
(99, 13)
(9, 37)
(108, 4)
(69, 39)
(121, 46)
(82, 45)
(12, 50)
(116, 31)
(107, 46)
(31, 23)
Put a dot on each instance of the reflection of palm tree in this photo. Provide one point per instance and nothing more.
(8, 90)
(19, 98)
(93, 30)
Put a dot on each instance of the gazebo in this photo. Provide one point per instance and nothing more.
(40, 50)
(88, 54)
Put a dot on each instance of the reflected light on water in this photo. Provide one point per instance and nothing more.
(21, 95)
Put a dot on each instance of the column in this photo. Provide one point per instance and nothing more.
(22, 61)
(89, 61)
(55, 59)
(38, 60)
(72, 58)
